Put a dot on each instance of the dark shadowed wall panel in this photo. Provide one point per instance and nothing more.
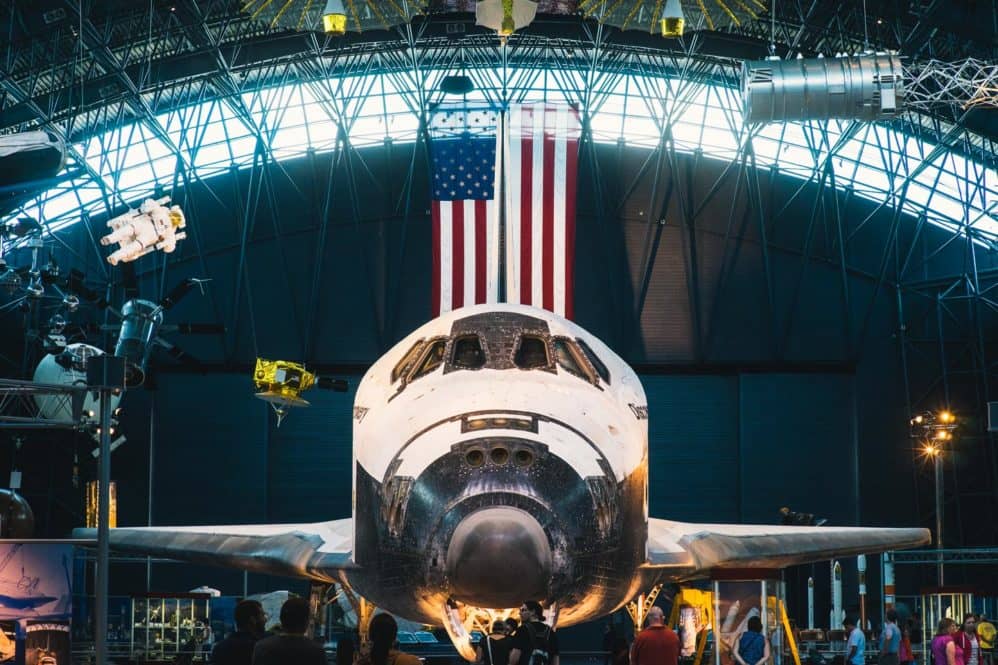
(797, 446)
(693, 447)
(209, 453)
(311, 459)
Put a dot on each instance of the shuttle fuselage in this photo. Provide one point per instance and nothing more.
(500, 455)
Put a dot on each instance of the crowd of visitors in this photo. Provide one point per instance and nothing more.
(530, 641)
(970, 643)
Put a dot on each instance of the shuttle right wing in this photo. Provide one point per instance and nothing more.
(691, 549)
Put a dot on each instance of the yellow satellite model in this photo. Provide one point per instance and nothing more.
(281, 383)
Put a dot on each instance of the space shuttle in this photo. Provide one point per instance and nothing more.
(500, 454)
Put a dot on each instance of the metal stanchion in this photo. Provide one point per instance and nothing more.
(106, 374)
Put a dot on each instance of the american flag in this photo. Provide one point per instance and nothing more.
(465, 208)
(541, 171)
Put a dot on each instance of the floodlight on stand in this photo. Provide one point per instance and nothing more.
(334, 18)
(672, 20)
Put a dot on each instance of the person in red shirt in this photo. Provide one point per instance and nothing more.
(657, 644)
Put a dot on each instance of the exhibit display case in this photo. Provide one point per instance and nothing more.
(166, 627)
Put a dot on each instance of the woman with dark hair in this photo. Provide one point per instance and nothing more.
(382, 633)
(944, 649)
(752, 647)
(493, 649)
(966, 640)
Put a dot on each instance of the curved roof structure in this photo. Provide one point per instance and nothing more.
(209, 89)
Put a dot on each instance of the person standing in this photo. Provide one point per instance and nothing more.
(856, 646)
(237, 648)
(890, 640)
(533, 643)
(906, 655)
(291, 645)
(494, 649)
(986, 636)
(382, 633)
(966, 640)
(751, 647)
(657, 644)
(944, 649)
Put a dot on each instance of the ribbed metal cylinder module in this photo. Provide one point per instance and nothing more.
(866, 87)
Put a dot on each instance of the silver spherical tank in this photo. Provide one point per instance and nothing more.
(867, 87)
(500, 555)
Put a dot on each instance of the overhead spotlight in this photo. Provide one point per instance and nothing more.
(334, 18)
(931, 450)
(505, 16)
(672, 20)
(456, 85)
(946, 417)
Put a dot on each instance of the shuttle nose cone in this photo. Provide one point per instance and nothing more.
(498, 557)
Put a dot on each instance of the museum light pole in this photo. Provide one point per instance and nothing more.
(934, 430)
(106, 375)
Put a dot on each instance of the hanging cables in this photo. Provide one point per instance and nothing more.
(866, 30)
(772, 28)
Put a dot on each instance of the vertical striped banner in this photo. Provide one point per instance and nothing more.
(542, 148)
(465, 155)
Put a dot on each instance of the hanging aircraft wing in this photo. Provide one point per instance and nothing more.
(691, 549)
(312, 551)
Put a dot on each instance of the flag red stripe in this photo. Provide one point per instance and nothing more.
(547, 232)
(571, 174)
(457, 251)
(526, 201)
(481, 264)
(435, 287)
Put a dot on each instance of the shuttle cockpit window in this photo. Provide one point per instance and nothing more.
(431, 359)
(595, 361)
(569, 358)
(531, 353)
(468, 353)
(407, 361)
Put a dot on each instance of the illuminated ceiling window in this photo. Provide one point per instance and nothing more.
(874, 161)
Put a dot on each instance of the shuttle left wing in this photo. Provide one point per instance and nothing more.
(691, 549)
(314, 551)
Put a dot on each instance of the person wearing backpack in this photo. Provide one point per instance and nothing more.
(533, 643)
(752, 647)
(494, 647)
